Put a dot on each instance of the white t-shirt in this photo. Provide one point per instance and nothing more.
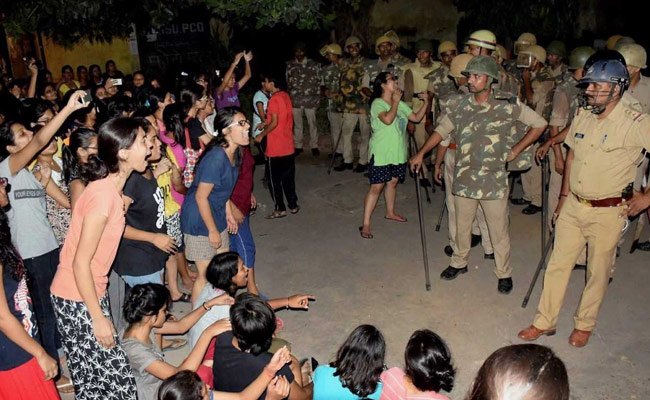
(260, 97)
(216, 313)
(31, 232)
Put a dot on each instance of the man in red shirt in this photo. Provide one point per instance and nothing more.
(279, 148)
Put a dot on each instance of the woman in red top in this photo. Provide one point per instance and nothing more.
(96, 360)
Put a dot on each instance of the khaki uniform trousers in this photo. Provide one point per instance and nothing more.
(310, 113)
(531, 182)
(349, 122)
(554, 189)
(336, 121)
(479, 226)
(579, 224)
(496, 215)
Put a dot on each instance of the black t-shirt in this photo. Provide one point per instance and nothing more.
(234, 370)
(146, 213)
(196, 131)
(20, 307)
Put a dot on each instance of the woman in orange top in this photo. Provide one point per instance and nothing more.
(96, 360)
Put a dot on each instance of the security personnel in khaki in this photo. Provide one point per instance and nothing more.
(446, 151)
(395, 53)
(330, 87)
(415, 82)
(635, 57)
(484, 42)
(538, 88)
(525, 39)
(483, 123)
(605, 140)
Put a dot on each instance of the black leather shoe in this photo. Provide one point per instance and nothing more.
(449, 251)
(519, 202)
(645, 246)
(297, 152)
(531, 209)
(451, 273)
(580, 267)
(476, 240)
(335, 155)
(315, 152)
(343, 167)
(488, 256)
(505, 285)
(424, 182)
(361, 168)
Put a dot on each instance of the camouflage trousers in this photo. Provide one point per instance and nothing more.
(310, 113)
(479, 226)
(349, 123)
(496, 215)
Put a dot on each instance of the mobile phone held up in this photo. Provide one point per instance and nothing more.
(116, 82)
(86, 98)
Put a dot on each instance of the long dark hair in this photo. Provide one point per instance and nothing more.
(222, 268)
(114, 135)
(144, 301)
(222, 120)
(6, 138)
(190, 94)
(33, 109)
(360, 360)
(428, 362)
(531, 371)
(79, 139)
(11, 262)
(152, 99)
(174, 119)
(184, 385)
(376, 85)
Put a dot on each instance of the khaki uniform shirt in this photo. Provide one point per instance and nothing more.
(641, 92)
(565, 103)
(542, 83)
(375, 67)
(484, 136)
(606, 151)
(420, 83)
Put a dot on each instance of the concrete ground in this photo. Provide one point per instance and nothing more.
(381, 282)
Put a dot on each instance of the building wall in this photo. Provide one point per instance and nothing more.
(122, 51)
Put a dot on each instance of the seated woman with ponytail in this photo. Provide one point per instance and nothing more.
(95, 357)
(206, 215)
(428, 369)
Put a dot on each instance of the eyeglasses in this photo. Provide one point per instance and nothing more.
(241, 122)
(91, 147)
(204, 98)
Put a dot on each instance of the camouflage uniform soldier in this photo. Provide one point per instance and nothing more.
(555, 55)
(397, 56)
(447, 151)
(538, 87)
(483, 124)
(485, 42)
(605, 140)
(525, 39)
(331, 88)
(303, 83)
(635, 57)
(386, 62)
(439, 83)
(354, 105)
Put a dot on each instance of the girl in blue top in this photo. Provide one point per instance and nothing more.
(355, 372)
(206, 216)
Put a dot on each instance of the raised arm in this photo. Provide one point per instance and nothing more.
(33, 69)
(248, 56)
(228, 74)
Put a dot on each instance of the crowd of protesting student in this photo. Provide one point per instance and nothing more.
(149, 184)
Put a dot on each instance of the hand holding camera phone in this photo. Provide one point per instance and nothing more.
(116, 82)
(86, 98)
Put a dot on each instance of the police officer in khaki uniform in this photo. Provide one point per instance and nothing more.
(446, 152)
(605, 140)
(483, 124)
(555, 55)
(538, 88)
(635, 57)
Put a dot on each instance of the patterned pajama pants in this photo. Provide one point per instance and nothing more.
(97, 373)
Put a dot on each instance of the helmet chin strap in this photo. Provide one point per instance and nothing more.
(597, 108)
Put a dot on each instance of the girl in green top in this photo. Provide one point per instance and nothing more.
(388, 146)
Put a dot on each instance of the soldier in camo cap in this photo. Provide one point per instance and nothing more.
(538, 90)
(555, 55)
(303, 84)
(330, 87)
(394, 40)
(440, 85)
(483, 124)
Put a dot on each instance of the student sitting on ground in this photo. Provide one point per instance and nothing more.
(427, 369)
(354, 373)
(240, 355)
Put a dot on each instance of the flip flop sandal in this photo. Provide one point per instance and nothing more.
(276, 215)
(66, 387)
(185, 298)
(396, 220)
(175, 344)
(295, 210)
(364, 235)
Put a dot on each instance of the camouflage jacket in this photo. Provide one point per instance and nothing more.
(352, 99)
(375, 67)
(543, 84)
(484, 134)
(569, 88)
(332, 81)
(560, 73)
(508, 83)
(303, 83)
(440, 83)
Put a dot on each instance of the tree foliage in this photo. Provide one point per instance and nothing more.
(69, 21)
(548, 19)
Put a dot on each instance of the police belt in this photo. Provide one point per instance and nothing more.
(609, 202)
